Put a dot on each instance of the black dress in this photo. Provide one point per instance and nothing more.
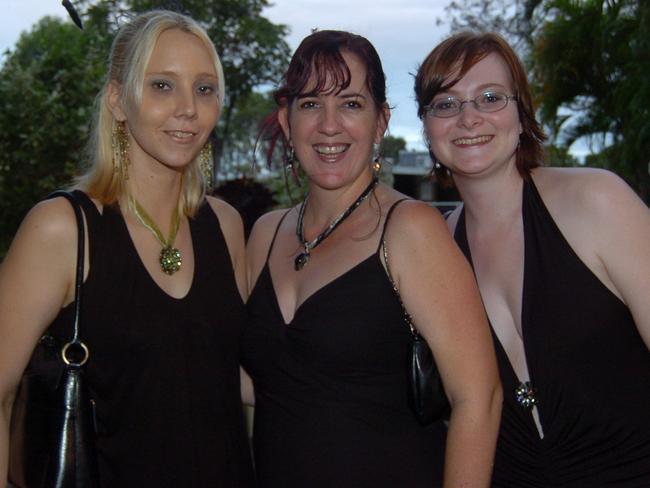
(588, 363)
(330, 387)
(163, 371)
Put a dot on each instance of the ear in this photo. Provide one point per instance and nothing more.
(283, 119)
(382, 123)
(114, 101)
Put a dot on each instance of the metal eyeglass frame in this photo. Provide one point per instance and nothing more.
(428, 109)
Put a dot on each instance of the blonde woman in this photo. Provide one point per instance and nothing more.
(165, 284)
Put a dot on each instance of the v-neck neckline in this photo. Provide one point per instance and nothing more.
(136, 256)
(460, 235)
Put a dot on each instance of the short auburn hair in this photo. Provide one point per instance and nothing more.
(453, 58)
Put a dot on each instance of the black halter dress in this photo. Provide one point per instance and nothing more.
(588, 363)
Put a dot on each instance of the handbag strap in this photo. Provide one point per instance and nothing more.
(407, 316)
(81, 241)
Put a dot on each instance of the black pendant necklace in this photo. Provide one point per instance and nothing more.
(303, 257)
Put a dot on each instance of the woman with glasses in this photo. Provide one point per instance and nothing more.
(327, 341)
(562, 259)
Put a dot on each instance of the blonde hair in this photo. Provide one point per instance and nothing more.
(128, 60)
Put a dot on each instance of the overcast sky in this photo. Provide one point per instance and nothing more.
(402, 31)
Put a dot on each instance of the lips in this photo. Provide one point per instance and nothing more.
(330, 149)
(472, 141)
(181, 135)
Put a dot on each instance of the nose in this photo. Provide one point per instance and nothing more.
(185, 103)
(329, 121)
(469, 115)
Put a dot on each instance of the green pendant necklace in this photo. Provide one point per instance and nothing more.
(170, 257)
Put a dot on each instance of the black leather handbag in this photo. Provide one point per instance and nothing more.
(427, 396)
(52, 435)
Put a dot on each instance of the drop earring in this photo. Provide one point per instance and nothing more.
(376, 160)
(206, 163)
(120, 147)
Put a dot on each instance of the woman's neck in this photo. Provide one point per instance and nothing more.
(325, 205)
(157, 191)
(490, 201)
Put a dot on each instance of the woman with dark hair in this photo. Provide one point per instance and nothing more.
(165, 283)
(327, 339)
(563, 265)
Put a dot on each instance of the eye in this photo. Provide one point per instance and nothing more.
(489, 98)
(352, 104)
(308, 105)
(445, 105)
(207, 90)
(161, 85)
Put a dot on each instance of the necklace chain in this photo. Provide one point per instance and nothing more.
(304, 256)
(170, 257)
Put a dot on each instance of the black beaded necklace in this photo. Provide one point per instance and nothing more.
(303, 257)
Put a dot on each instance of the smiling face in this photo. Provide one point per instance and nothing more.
(179, 105)
(332, 132)
(475, 143)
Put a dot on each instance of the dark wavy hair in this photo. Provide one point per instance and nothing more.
(320, 56)
(456, 56)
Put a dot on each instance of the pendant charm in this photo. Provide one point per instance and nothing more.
(170, 260)
(300, 261)
(525, 395)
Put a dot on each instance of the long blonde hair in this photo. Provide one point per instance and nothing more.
(129, 57)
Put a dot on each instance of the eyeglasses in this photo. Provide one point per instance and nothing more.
(487, 102)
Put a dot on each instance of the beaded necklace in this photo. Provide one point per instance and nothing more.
(303, 257)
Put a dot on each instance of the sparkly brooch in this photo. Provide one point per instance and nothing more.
(170, 260)
(525, 395)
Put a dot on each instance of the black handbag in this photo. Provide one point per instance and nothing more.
(426, 394)
(52, 435)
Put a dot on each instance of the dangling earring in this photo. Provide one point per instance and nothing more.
(376, 160)
(206, 164)
(288, 161)
(291, 165)
(120, 146)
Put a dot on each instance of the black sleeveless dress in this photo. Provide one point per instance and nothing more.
(163, 371)
(588, 363)
(331, 394)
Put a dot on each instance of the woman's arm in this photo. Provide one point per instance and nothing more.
(620, 232)
(439, 291)
(233, 231)
(256, 251)
(36, 281)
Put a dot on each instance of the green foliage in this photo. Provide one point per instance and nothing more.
(288, 188)
(512, 19)
(560, 156)
(391, 146)
(238, 158)
(251, 199)
(47, 89)
(593, 58)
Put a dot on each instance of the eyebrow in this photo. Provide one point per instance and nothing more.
(352, 95)
(175, 74)
(482, 87)
(343, 95)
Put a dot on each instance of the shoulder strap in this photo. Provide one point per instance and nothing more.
(275, 234)
(382, 244)
(390, 212)
(81, 239)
